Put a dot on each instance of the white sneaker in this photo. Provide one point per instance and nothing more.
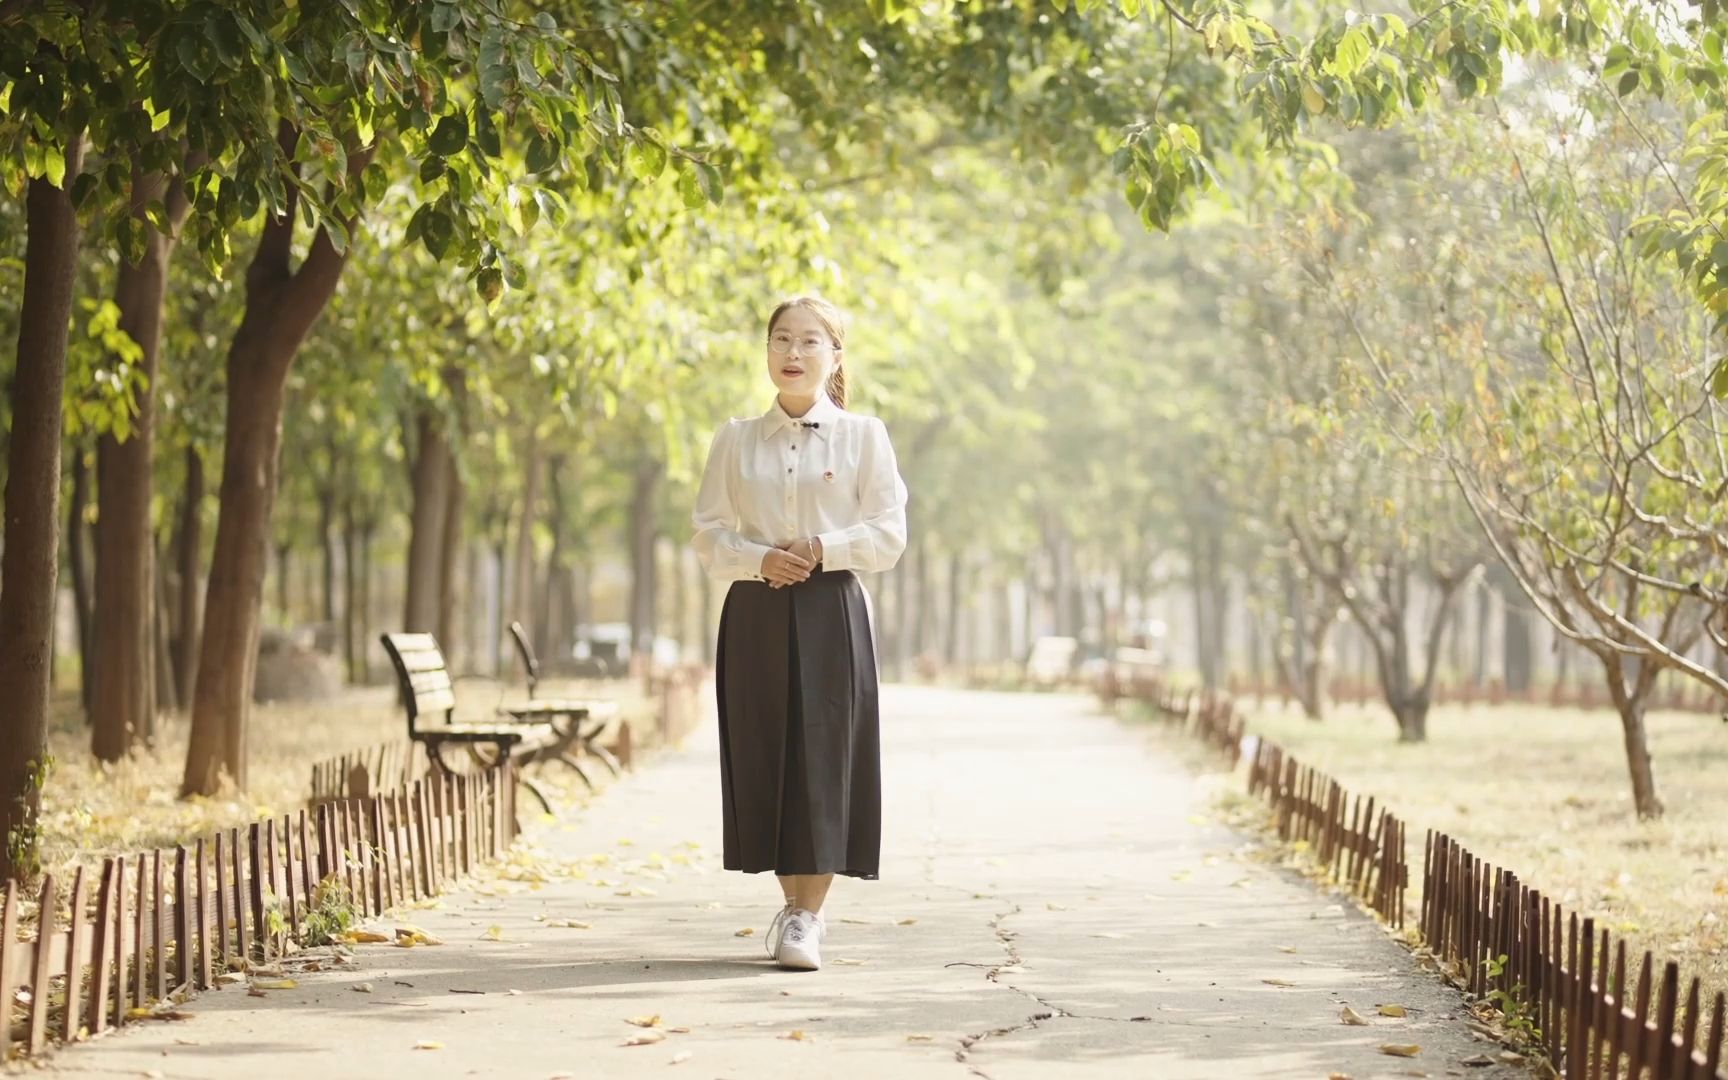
(801, 942)
(772, 939)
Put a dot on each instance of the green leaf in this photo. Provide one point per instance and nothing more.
(542, 154)
(708, 177)
(54, 165)
(450, 136)
(1628, 83)
(690, 188)
(489, 283)
(1312, 99)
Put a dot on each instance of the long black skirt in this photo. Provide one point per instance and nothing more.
(800, 751)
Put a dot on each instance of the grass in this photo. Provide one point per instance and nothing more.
(1545, 793)
(93, 810)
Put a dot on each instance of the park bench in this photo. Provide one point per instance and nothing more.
(1051, 661)
(521, 734)
(579, 722)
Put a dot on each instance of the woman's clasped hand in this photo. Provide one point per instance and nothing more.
(785, 566)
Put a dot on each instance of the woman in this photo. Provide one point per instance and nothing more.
(792, 503)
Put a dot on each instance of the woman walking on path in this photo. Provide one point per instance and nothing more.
(792, 503)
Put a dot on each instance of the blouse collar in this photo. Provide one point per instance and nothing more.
(822, 416)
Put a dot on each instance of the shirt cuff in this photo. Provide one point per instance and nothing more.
(750, 559)
(836, 550)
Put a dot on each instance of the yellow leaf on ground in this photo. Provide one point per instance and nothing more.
(746, 932)
(365, 937)
(412, 935)
(1352, 1017)
(644, 1021)
(274, 984)
(361, 988)
(849, 962)
(1394, 1010)
(906, 921)
(919, 1038)
(644, 1038)
(1400, 1049)
(428, 1044)
(494, 933)
(796, 1035)
(1054, 906)
(680, 1057)
(1277, 982)
(571, 924)
(1287, 948)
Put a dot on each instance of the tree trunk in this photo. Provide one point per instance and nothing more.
(644, 506)
(327, 544)
(77, 534)
(1412, 715)
(522, 584)
(500, 541)
(1519, 652)
(32, 508)
(162, 658)
(545, 641)
(353, 624)
(924, 630)
(188, 547)
(281, 306)
(426, 526)
(1631, 702)
(363, 600)
(455, 506)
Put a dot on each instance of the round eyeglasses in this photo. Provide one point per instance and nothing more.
(781, 344)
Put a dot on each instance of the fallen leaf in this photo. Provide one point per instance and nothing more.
(644, 1021)
(1277, 982)
(905, 922)
(679, 1030)
(680, 1057)
(494, 933)
(847, 961)
(1352, 1017)
(274, 984)
(919, 1038)
(748, 931)
(1394, 1010)
(1477, 1062)
(796, 1035)
(644, 1038)
(1337, 1076)
(1287, 948)
(1400, 1049)
(1182, 875)
(1054, 906)
(571, 924)
(365, 937)
(408, 936)
(361, 988)
(860, 922)
(428, 1044)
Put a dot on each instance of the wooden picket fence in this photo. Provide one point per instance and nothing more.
(1360, 846)
(1555, 976)
(171, 921)
(389, 765)
(1549, 969)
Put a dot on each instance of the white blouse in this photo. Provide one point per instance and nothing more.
(771, 479)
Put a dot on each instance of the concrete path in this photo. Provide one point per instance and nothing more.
(1055, 902)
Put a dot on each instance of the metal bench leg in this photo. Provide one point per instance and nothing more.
(571, 761)
(534, 789)
(611, 761)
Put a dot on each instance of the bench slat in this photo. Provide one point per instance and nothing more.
(420, 660)
(426, 682)
(434, 701)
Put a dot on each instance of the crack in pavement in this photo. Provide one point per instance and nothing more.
(1047, 1010)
